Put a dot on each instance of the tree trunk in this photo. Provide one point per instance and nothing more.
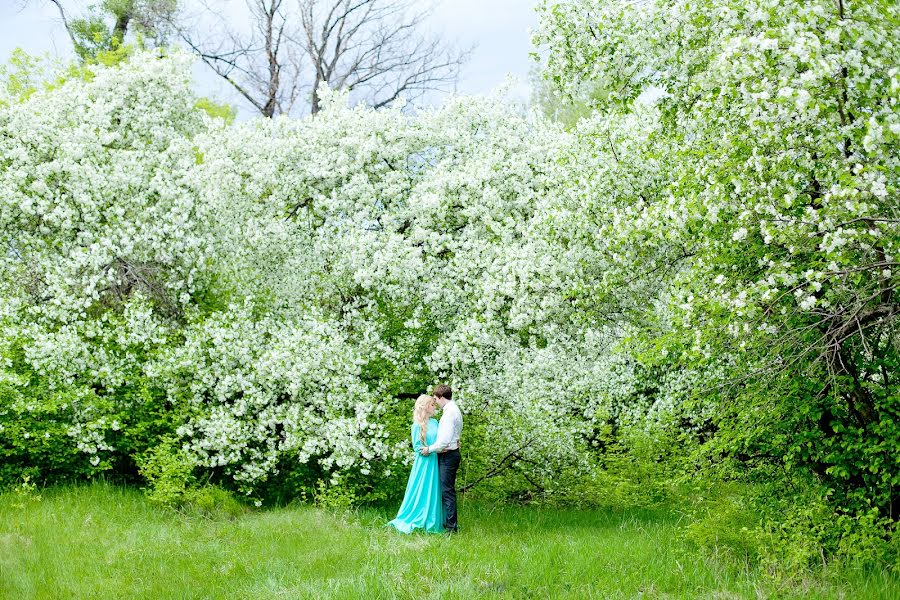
(121, 28)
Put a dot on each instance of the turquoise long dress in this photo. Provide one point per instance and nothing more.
(422, 507)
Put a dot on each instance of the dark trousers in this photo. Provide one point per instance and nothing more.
(448, 465)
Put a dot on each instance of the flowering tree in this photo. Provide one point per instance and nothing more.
(273, 293)
(745, 156)
(104, 27)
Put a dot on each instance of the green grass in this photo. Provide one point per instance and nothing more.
(101, 541)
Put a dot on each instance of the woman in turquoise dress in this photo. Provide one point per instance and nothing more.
(422, 507)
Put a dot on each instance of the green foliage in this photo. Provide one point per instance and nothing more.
(170, 475)
(721, 519)
(227, 112)
(93, 36)
(168, 472)
(25, 493)
(34, 430)
(147, 418)
(382, 484)
(800, 528)
(99, 35)
(847, 474)
(39, 431)
(212, 501)
(22, 75)
(637, 469)
(53, 432)
(334, 497)
(292, 481)
(116, 56)
(406, 374)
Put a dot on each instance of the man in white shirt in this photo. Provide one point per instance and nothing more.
(447, 447)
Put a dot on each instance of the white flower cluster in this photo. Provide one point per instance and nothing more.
(280, 279)
(742, 161)
(263, 388)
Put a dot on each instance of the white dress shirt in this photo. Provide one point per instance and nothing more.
(449, 429)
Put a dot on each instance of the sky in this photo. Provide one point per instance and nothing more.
(499, 29)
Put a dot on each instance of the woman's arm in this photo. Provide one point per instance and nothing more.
(416, 440)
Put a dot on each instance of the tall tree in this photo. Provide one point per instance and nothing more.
(104, 26)
(764, 185)
(375, 48)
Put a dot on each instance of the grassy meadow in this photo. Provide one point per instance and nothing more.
(101, 541)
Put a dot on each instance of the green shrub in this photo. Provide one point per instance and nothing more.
(211, 501)
(169, 473)
(35, 440)
(721, 519)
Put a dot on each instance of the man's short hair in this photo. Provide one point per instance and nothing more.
(443, 391)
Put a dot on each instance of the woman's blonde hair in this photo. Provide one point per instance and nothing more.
(421, 414)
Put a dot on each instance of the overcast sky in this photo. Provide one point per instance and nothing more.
(499, 28)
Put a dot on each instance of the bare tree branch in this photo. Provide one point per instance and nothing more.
(259, 63)
(502, 465)
(373, 48)
(65, 20)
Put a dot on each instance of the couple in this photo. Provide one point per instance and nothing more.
(430, 500)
